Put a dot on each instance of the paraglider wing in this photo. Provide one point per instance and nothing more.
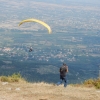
(38, 21)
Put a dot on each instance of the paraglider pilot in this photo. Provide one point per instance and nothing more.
(30, 49)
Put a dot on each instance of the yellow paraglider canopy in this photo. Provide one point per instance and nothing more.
(38, 21)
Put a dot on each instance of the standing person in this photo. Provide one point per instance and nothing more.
(63, 71)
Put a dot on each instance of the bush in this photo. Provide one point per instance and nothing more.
(97, 83)
(13, 78)
(93, 82)
(16, 75)
(4, 79)
(89, 83)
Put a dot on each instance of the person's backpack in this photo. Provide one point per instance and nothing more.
(63, 69)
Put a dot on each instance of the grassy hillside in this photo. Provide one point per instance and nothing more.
(22, 90)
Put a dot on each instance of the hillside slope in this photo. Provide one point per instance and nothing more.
(44, 91)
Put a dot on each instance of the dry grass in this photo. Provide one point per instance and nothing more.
(44, 91)
(89, 83)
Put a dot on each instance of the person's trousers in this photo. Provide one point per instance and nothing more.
(63, 79)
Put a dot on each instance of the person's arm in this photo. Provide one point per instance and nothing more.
(67, 69)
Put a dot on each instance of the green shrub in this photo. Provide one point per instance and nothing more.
(97, 83)
(92, 82)
(16, 75)
(4, 79)
(13, 78)
(89, 82)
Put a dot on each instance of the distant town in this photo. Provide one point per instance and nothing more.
(75, 40)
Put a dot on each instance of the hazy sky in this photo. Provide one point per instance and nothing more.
(72, 1)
